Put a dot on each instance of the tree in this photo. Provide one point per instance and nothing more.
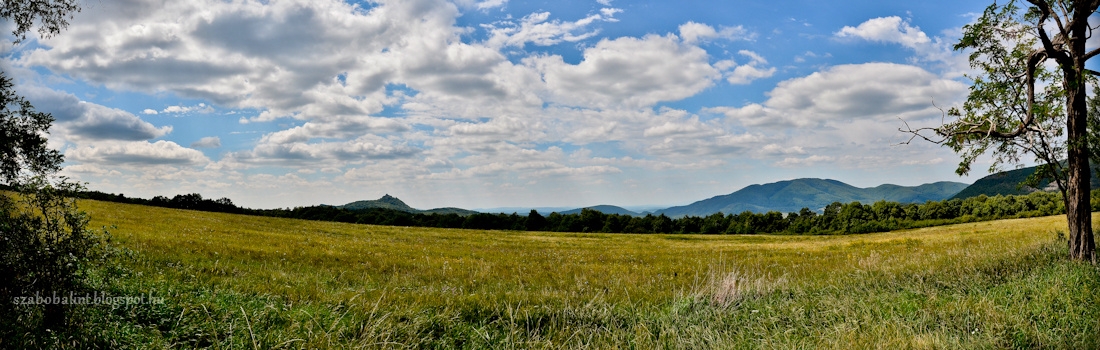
(829, 214)
(591, 220)
(884, 210)
(802, 221)
(714, 224)
(853, 215)
(535, 221)
(44, 246)
(22, 144)
(1017, 107)
(660, 224)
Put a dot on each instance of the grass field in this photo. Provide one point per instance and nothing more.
(234, 281)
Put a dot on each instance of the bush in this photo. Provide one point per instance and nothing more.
(45, 251)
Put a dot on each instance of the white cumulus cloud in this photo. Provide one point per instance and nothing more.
(848, 92)
(890, 29)
(629, 71)
(89, 121)
(756, 69)
(136, 154)
(207, 142)
(895, 30)
(692, 32)
(537, 28)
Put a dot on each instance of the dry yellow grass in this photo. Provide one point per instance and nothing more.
(393, 286)
(282, 254)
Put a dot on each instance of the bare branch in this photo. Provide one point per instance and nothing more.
(1053, 48)
(1094, 52)
(1058, 19)
(917, 133)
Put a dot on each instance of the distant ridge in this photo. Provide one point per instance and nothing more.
(390, 202)
(815, 194)
(1007, 183)
(606, 209)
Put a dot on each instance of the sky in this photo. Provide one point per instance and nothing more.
(494, 103)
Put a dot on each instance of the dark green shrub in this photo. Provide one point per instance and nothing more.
(47, 256)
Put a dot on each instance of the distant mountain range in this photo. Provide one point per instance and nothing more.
(784, 196)
(1008, 183)
(391, 202)
(815, 194)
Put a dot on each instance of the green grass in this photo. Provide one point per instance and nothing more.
(233, 281)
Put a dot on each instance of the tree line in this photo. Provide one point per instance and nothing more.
(836, 218)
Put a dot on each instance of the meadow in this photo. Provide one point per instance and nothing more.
(245, 282)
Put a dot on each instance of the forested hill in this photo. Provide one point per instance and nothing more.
(815, 194)
(386, 202)
(1008, 183)
(606, 209)
(391, 202)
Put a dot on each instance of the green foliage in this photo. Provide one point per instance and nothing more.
(48, 258)
(46, 251)
(1002, 41)
(22, 144)
(535, 221)
(51, 16)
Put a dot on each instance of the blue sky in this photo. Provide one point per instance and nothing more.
(482, 104)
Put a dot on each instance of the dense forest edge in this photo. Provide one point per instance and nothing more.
(836, 218)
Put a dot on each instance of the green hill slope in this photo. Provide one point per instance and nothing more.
(793, 195)
(1008, 183)
(606, 209)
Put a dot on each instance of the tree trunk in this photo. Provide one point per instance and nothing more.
(1078, 207)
